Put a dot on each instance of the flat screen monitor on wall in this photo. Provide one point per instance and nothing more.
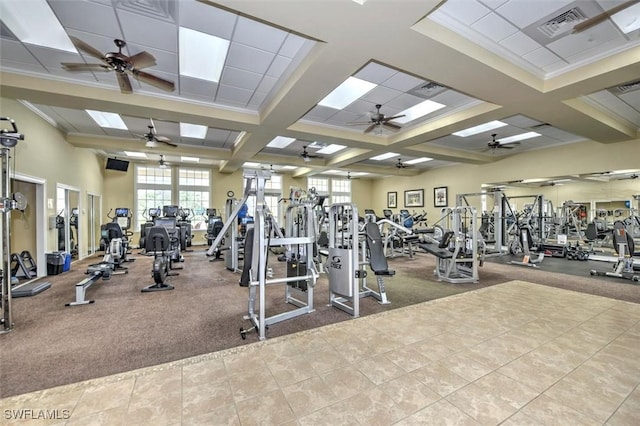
(115, 164)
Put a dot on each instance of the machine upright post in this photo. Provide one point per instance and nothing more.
(7, 318)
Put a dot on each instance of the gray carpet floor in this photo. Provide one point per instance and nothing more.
(125, 329)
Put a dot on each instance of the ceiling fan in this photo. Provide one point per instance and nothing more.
(401, 165)
(379, 120)
(152, 138)
(632, 176)
(493, 144)
(306, 156)
(603, 16)
(122, 64)
(162, 163)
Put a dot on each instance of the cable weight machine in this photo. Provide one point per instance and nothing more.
(8, 139)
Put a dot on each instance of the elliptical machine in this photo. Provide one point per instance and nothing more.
(152, 214)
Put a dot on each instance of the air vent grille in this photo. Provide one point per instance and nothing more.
(629, 87)
(562, 23)
(427, 90)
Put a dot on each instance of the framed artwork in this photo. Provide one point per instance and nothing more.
(440, 197)
(414, 198)
(392, 200)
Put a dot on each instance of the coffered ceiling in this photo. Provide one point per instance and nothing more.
(517, 62)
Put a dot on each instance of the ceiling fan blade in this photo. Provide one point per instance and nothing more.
(163, 139)
(142, 60)
(76, 67)
(158, 82)
(394, 117)
(86, 48)
(358, 123)
(504, 146)
(391, 125)
(166, 141)
(602, 16)
(370, 128)
(124, 82)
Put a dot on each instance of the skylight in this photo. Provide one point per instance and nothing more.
(135, 154)
(385, 156)
(280, 142)
(480, 128)
(628, 20)
(289, 167)
(202, 55)
(190, 159)
(107, 119)
(418, 160)
(417, 111)
(194, 131)
(350, 90)
(35, 23)
(251, 165)
(331, 149)
(520, 137)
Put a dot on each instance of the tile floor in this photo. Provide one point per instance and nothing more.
(511, 354)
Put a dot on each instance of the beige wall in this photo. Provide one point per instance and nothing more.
(579, 158)
(23, 224)
(45, 154)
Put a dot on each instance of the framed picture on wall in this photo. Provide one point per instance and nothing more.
(392, 200)
(414, 198)
(440, 197)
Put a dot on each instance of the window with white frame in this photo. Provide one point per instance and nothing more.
(193, 194)
(272, 196)
(338, 190)
(152, 189)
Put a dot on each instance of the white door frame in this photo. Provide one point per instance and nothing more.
(41, 219)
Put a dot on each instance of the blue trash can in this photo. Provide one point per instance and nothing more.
(67, 262)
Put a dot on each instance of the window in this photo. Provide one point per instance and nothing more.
(272, 196)
(153, 189)
(338, 189)
(193, 194)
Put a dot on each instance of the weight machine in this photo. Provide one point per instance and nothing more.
(624, 245)
(299, 246)
(347, 257)
(457, 257)
(8, 139)
(492, 220)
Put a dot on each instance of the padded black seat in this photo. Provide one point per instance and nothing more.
(440, 251)
(157, 240)
(377, 260)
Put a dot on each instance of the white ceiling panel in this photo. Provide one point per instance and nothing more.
(278, 67)
(240, 79)
(494, 27)
(375, 73)
(493, 4)
(597, 50)
(86, 16)
(266, 85)
(207, 19)
(520, 43)
(17, 52)
(467, 12)
(255, 34)
(402, 82)
(136, 30)
(541, 57)
(194, 85)
(291, 46)
(586, 40)
(233, 95)
(381, 95)
(249, 58)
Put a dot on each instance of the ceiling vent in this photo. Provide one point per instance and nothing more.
(562, 23)
(625, 88)
(427, 90)
(165, 10)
